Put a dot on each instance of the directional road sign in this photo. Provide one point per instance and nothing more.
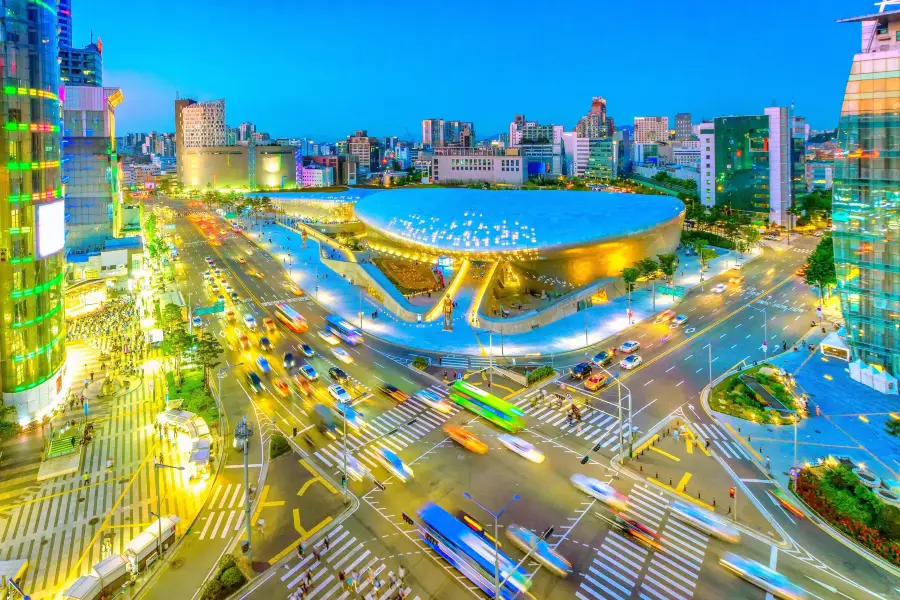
(208, 310)
(671, 290)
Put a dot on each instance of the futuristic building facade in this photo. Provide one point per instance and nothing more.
(32, 214)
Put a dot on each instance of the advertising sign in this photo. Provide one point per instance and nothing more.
(51, 228)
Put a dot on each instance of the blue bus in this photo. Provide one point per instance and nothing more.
(343, 330)
(470, 553)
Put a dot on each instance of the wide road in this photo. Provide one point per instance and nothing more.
(607, 564)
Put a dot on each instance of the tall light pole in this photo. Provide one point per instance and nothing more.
(619, 386)
(156, 467)
(496, 516)
(586, 343)
(709, 346)
(219, 376)
(491, 360)
(243, 431)
(344, 476)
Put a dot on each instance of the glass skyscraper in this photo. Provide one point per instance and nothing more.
(866, 202)
(32, 215)
(742, 163)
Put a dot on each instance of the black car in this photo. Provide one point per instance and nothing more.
(603, 358)
(582, 371)
(265, 344)
(337, 375)
(288, 361)
(254, 382)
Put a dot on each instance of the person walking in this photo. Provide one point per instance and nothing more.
(354, 580)
(300, 551)
(327, 544)
(343, 579)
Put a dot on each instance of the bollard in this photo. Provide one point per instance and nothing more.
(698, 495)
(739, 428)
(714, 502)
(760, 449)
(657, 475)
(670, 481)
(729, 510)
(642, 468)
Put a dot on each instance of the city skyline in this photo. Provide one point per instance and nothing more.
(332, 63)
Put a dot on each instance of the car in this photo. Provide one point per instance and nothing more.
(737, 266)
(342, 407)
(263, 363)
(208, 259)
(465, 439)
(265, 344)
(763, 577)
(338, 375)
(801, 272)
(434, 401)
(582, 370)
(258, 274)
(665, 316)
(719, 288)
(638, 531)
(302, 386)
(736, 280)
(631, 361)
(220, 298)
(329, 337)
(596, 381)
(242, 260)
(394, 465)
(197, 322)
(529, 542)
(603, 358)
(295, 290)
(521, 447)
(229, 315)
(705, 521)
(281, 388)
(244, 341)
(213, 287)
(819, 234)
(287, 361)
(269, 324)
(679, 321)
(254, 382)
(630, 346)
(772, 238)
(308, 372)
(601, 491)
(355, 469)
(234, 296)
(217, 273)
(249, 321)
(306, 350)
(394, 392)
(342, 355)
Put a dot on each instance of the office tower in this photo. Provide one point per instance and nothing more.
(649, 130)
(594, 123)
(203, 124)
(82, 66)
(64, 14)
(32, 211)
(432, 132)
(180, 105)
(683, 126)
(366, 149)
(438, 132)
(245, 131)
(866, 195)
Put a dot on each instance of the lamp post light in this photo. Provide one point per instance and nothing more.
(496, 516)
(156, 467)
(242, 432)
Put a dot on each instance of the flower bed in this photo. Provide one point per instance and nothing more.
(839, 497)
(733, 397)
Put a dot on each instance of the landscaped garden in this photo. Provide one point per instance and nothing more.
(196, 399)
(734, 397)
(839, 496)
(409, 277)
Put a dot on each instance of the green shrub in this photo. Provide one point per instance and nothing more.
(213, 590)
(888, 521)
(540, 373)
(225, 563)
(420, 363)
(278, 446)
(232, 579)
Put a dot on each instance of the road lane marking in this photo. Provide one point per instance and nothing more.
(670, 368)
(664, 453)
(648, 383)
(683, 483)
(679, 383)
(687, 357)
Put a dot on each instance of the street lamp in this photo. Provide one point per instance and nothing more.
(156, 467)
(242, 432)
(496, 517)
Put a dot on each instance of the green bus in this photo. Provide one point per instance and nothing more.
(500, 413)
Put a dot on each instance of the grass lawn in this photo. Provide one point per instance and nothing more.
(733, 397)
(196, 400)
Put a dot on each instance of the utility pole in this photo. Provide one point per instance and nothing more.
(243, 431)
(496, 517)
(156, 467)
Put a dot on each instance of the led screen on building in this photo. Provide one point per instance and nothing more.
(51, 230)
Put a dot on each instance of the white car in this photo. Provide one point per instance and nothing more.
(719, 288)
(432, 400)
(249, 321)
(629, 347)
(197, 322)
(522, 448)
(761, 576)
(394, 464)
(679, 321)
(342, 355)
(339, 393)
(309, 373)
(329, 337)
(599, 490)
(630, 362)
(706, 521)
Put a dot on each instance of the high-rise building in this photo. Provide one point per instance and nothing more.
(180, 105)
(366, 149)
(594, 123)
(866, 195)
(438, 132)
(203, 124)
(82, 66)
(683, 126)
(649, 130)
(432, 132)
(245, 131)
(64, 14)
(32, 211)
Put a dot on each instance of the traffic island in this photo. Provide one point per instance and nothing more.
(759, 394)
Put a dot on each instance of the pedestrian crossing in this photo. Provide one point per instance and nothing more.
(317, 570)
(427, 420)
(621, 568)
(226, 510)
(597, 427)
(721, 441)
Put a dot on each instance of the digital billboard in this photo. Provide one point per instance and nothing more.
(51, 228)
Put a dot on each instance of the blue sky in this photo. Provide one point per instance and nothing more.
(325, 69)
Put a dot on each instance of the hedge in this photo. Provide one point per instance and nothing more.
(420, 363)
(229, 578)
(278, 446)
(689, 235)
(540, 373)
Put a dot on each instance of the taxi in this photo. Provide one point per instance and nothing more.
(269, 324)
(465, 439)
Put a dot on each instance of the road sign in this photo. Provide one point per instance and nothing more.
(208, 310)
(671, 290)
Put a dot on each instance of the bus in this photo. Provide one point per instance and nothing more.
(470, 554)
(343, 330)
(290, 317)
(500, 413)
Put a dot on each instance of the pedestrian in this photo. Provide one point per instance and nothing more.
(768, 463)
(401, 573)
(85, 478)
(300, 550)
(370, 576)
(783, 345)
(316, 553)
(707, 444)
(92, 373)
(342, 578)
(354, 580)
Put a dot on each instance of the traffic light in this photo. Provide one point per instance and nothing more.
(343, 481)
(597, 448)
(585, 460)
(731, 492)
(547, 533)
(407, 519)
(295, 432)
(379, 485)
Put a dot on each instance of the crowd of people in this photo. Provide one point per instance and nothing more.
(115, 330)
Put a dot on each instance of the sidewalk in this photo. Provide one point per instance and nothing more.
(338, 295)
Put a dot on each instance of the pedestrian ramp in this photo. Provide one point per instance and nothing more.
(225, 511)
(318, 568)
(399, 417)
(597, 427)
(722, 441)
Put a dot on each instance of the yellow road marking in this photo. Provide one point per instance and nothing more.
(689, 444)
(743, 441)
(863, 419)
(692, 434)
(664, 453)
(317, 477)
(683, 483)
(645, 444)
(682, 494)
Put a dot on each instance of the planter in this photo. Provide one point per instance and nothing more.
(870, 480)
(888, 497)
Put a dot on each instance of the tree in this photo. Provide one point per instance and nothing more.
(172, 317)
(668, 265)
(706, 255)
(9, 428)
(892, 427)
(698, 246)
(820, 270)
(177, 343)
(630, 275)
(647, 267)
(207, 354)
(751, 234)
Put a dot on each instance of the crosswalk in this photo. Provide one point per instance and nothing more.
(597, 427)
(427, 420)
(722, 441)
(225, 516)
(344, 552)
(621, 568)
